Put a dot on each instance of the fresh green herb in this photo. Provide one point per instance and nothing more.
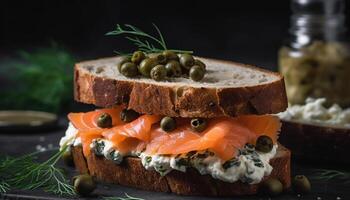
(127, 197)
(4, 187)
(27, 174)
(231, 163)
(41, 80)
(139, 39)
(327, 175)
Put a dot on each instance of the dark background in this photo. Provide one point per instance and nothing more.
(247, 31)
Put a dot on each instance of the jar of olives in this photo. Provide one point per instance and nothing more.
(315, 60)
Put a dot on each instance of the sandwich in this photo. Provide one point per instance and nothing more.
(215, 135)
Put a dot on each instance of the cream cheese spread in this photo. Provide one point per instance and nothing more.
(249, 166)
(315, 111)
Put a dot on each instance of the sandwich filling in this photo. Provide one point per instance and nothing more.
(225, 149)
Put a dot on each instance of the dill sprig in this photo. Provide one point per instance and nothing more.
(127, 197)
(327, 175)
(139, 39)
(45, 80)
(4, 187)
(27, 174)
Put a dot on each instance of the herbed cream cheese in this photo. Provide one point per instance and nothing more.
(70, 138)
(249, 166)
(315, 111)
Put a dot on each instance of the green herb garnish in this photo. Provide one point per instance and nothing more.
(4, 187)
(38, 80)
(26, 174)
(327, 175)
(139, 39)
(127, 197)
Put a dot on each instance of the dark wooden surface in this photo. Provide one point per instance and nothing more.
(23, 142)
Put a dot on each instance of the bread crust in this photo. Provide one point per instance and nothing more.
(131, 173)
(150, 98)
(316, 142)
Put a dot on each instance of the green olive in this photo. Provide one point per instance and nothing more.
(146, 66)
(128, 115)
(104, 121)
(129, 69)
(168, 124)
(272, 187)
(186, 61)
(264, 144)
(84, 184)
(67, 158)
(137, 57)
(123, 60)
(301, 184)
(196, 73)
(200, 63)
(160, 58)
(198, 124)
(170, 55)
(158, 73)
(173, 68)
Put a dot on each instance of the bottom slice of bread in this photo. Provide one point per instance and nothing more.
(131, 173)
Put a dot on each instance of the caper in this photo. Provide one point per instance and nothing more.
(158, 72)
(186, 61)
(264, 144)
(196, 73)
(173, 68)
(104, 121)
(137, 57)
(168, 124)
(129, 69)
(198, 124)
(84, 184)
(123, 60)
(170, 55)
(67, 158)
(160, 58)
(272, 187)
(148, 159)
(301, 184)
(200, 63)
(146, 66)
(128, 115)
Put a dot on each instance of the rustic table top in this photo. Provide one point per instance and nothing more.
(23, 142)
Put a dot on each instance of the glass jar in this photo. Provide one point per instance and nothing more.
(315, 61)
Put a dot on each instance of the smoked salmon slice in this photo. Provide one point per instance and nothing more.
(84, 121)
(224, 136)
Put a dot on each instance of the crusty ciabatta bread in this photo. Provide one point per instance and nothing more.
(228, 89)
(131, 173)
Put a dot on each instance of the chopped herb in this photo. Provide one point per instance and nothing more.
(231, 163)
(259, 164)
(190, 154)
(182, 162)
(99, 145)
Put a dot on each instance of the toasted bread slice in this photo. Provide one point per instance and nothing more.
(228, 89)
(131, 173)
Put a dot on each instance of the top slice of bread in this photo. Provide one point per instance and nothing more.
(228, 89)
